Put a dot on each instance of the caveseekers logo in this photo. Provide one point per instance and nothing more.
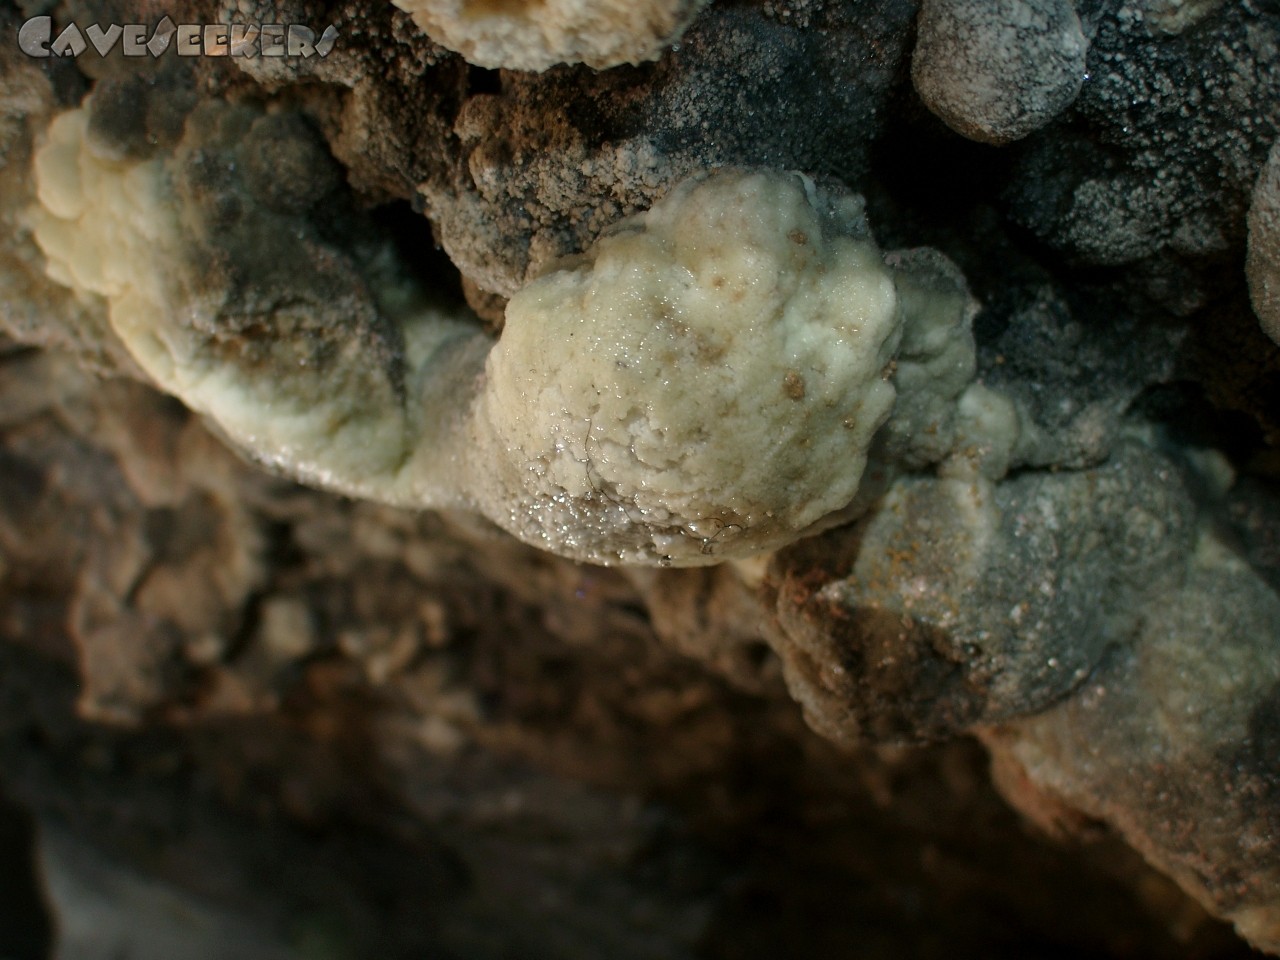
(36, 39)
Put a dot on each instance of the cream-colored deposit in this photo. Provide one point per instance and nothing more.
(705, 383)
(708, 379)
(534, 36)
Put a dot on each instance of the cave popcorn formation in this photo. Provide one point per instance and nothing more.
(535, 36)
(739, 367)
(705, 383)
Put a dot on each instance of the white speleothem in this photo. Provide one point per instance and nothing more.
(528, 35)
(704, 383)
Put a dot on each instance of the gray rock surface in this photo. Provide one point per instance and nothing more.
(1263, 263)
(1160, 150)
(996, 71)
(548, 161)
(959, 603)
(1211, 730)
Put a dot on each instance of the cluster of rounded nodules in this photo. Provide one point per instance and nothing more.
(710, 380)
(714, 378)
(992, 70)
(997, 70)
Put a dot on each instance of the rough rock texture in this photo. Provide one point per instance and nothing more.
(703, 383)
(411, 737)
(1089, 615)
(515, 169)
(617, 418)
(994, 72)
(536, 36)
(331, 728)
(1211, 729)
(547, 162)
(1263, 263)
(959, 602)
(1177, 127)
(1174, 16)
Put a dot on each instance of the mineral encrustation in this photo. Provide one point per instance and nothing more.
(669, 479)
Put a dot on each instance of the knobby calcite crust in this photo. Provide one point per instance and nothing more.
(950, 368)
(537, 34)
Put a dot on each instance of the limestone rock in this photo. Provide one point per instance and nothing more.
(957, 603)
(1158, 765)
(400, 733)
(1178, 128)
(536, 36)
(995, 72)
(1263, 263)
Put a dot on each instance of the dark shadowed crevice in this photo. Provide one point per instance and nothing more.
(418, 250)
(26, 932)
(481, 81)
(1182, 409)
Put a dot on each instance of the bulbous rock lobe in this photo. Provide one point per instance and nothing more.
(537, 34)
(703, 384)
(996, 71)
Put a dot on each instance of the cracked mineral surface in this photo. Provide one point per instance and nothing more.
(886, 394)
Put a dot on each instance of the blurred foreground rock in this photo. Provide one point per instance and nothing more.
(405, 735)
